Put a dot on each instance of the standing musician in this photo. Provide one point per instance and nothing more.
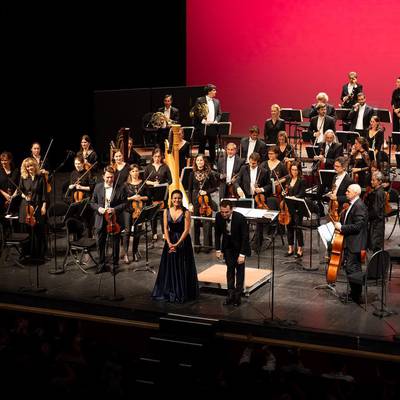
(287, 153)
(43, 164)
(295, 186)
(107, 201)
(33, 206)
(353, 225)
(204, 124)
(322, 98)
(273, 125)
(7, 189)
(160, 173)
(202, 182)
(137, 197)
(252, 145)
(121, 169)
(330, 150)
(360, 115)
(228, 169)
(79, 189)
(133, 155)
(375, 202)
(375, 136)
(350, 91)
(86, 151)
(232, 227)
(321, 123)
(184, 151)
(395, 102)
(340, 183)
(359, 161)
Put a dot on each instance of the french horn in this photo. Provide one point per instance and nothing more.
(158, 120)
(199, 110)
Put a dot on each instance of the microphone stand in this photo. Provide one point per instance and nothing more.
(56, 270)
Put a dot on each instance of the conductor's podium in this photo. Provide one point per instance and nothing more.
(215, 277)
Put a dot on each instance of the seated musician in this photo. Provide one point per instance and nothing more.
(253, 144)
(287, 153)
(202, 182)
(276, 170)
(340, 183)
(321, 123)
(137, 197)
(133, 155)
(360, 161)
(228, 169)
(330, 150)
(109, 200)
(295, 186)
(157, 173)
(322, 98)
(86, 151)
(353, 225)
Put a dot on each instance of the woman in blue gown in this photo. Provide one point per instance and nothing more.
(177, 276)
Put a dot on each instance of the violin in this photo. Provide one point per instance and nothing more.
(113, 228)
(284, 217)
(204, 207)
(231, 193)
(260, 201)
(30, 215)
(137, 206)
(333, 210)
(388, 208)
(78, 196)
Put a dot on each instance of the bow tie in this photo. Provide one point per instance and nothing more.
(228, 220)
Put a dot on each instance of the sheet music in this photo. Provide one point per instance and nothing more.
(257, 213)
(326, 232)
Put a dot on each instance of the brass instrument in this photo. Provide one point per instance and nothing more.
(199, 110)
(158, 120)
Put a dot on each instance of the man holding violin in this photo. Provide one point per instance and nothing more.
(107, 201)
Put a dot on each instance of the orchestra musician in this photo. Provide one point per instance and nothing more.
(273, 125)
(86, 151)
(184, 151)
(353, 225)
(121, 169)
(33, 207)
(375, 202)
(158, 172)
(296, 188)
(228, 169)
(202, 183)
(322, 98)
(133, 155)
(350, 91)
(137, 196)
(287, 152)
(252, 144)
(360, 161)
(340, 183)
(395, 102)
(7, 189)
(360, 115)
(204, 124)
(109, 200)
(36, 155)
(321, 123)
(330, 150)
(375, 136)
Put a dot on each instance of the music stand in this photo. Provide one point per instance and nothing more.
(312, 151)
(292, 117)
(342, 113)
(297, 207)
(146, 215)
(383, 114)
(242, 203)
(326, 177)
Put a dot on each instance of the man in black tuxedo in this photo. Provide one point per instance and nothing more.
(233, 228)
(360, 116)
(253, 144)
(228, 169)
(107, 198)
(322, 98)
(171, 116)
(340, 183)
(353, 224)
(350, 91)
(205, 124)
(330, 150)
(321, 123)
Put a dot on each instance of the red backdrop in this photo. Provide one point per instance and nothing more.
(285, 51)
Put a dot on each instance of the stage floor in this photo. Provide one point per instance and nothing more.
(293, 309)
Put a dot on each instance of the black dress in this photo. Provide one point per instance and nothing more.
(177, 276)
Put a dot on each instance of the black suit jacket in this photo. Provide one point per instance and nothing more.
(264, 180)
(217, 107)
(355, 227)
(174, 113)
(260, 148)
(368, 114)
(221, 168)
(345, 92)
(341, 192)
(330, 110)
(118, 202)
(271, 130)
(335, 151)
(239, 233)
(329, 123)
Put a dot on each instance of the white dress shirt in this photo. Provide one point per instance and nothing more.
(107, 197)
(230, 161)
(360, 124)
(211, 110)
(338, 182)
(348, 210)
(253, 179)
(320, 129)
(252, 145)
